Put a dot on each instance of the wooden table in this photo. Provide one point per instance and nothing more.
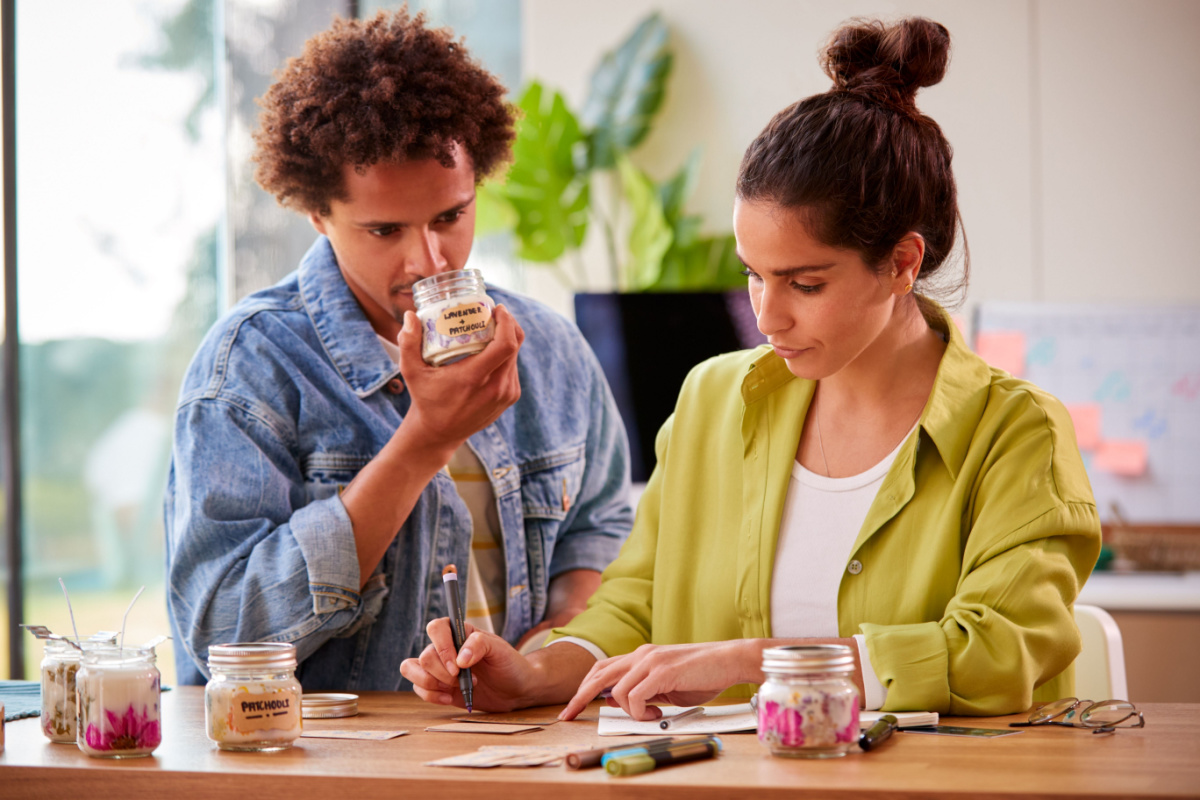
(1161, 760)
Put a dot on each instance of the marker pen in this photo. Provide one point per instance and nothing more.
(652, 758)
(458, 629)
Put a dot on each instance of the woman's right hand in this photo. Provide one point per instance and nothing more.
(502, 677)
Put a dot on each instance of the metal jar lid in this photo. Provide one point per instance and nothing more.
(328, 706)
(801, 659)
(268, 656)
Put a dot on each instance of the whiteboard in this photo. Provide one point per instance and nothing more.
(1139, 369)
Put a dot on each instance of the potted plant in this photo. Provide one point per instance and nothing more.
(572, 174)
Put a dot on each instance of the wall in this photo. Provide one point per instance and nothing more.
(1074, 124)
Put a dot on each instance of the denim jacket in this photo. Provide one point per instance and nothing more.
(289, 395)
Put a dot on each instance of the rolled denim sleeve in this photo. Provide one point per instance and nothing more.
(602, 515)
(250, 558)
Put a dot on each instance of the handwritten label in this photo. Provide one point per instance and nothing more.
(259, 712)
(463, 320)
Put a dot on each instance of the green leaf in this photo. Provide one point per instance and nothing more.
(493, 212)
(676, 191)
(545, 188)
(708, 264)
(627, 89)
(650, 236)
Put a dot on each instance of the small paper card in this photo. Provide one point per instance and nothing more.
(528, 716)
(375, 736)
(506, 756)
(482, 727)
(955, 730)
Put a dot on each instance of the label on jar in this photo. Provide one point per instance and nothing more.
(463, 320)
(259, 712)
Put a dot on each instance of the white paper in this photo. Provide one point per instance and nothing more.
(715, 719)
(729, 719)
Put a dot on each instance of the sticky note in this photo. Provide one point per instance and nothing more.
(959, 323)
(1002, 349)
(1086, 417)
(1126, 457)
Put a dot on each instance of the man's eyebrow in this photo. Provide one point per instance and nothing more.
(384, 223)
(787, 272)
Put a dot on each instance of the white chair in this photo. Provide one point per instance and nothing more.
(1100, 667)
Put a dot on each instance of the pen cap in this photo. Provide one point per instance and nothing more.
(629, 765)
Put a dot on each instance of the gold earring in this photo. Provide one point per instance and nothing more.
(908, 288)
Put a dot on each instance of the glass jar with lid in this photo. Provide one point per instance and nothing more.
(252, 700)
(455, 314)
(808, 704)
(119, 691)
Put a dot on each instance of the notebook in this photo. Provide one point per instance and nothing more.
(729, 719)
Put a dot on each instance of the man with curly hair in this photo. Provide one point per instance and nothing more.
(323, 474)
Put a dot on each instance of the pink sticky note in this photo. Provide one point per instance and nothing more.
(1086, 417)
(1121, 457)
(1003, 349)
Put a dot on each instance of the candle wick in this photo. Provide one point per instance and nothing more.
(69, 609)
(126, 617)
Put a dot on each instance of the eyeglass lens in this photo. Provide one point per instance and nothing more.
(1112, 712)
(1053, 710)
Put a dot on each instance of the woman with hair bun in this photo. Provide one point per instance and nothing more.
(866, 480)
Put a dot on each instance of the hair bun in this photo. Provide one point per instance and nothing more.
(887, 62)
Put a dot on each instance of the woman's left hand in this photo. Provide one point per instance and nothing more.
(676, 674)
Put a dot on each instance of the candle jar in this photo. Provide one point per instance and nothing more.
(455, 314)
(118, 696)
(808, 704)
(60, 663)
(252, 701)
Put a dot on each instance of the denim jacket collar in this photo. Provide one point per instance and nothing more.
(344, 330)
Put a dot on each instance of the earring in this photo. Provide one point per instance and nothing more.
(908, 288)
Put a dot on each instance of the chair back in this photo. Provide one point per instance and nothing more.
(1100, 667)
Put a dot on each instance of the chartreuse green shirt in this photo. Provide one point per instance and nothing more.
(971, 555)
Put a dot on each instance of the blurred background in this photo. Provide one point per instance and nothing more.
(137, 222)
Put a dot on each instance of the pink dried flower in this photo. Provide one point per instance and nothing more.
(130, 731)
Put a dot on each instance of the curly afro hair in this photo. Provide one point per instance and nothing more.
(387, 89)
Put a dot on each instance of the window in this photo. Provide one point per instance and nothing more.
(139, 223)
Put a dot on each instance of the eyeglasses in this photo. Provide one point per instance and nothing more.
(1103, 717)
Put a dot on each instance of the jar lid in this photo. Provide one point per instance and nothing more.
(456, 280)
(327, 706)
(272, 655)
(801, 658)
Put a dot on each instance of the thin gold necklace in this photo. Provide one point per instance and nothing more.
(821, 442)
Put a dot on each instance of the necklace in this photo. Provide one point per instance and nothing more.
(821, 442)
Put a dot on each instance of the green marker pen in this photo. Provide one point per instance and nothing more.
(637, 763)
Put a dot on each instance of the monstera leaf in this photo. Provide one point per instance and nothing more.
(545, 186)
(627, 89)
